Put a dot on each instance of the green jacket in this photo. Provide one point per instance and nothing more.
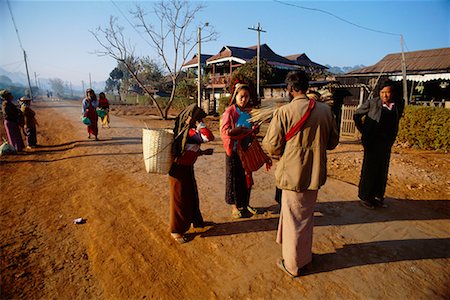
(303, 159)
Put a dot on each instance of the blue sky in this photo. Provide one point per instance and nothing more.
(56, 37)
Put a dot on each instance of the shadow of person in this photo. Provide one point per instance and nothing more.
(239, 227)
(338, 213)
(351, 212)
(353, 255)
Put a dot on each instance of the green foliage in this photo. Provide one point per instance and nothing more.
(186, 87)
(425, 128)
(248, 72)
(178, 102)
(223, 103)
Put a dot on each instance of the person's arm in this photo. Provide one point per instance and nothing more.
(237, 131)
(83, 107)
(359, 114)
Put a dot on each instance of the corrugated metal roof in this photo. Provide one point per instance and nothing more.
(417, 62)
(249, 53)
(304, 61)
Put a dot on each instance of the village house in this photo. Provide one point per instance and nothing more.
(427, 75)
(219, 68)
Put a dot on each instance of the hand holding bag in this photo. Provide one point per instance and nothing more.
(254, 157)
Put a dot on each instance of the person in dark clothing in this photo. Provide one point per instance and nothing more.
(379, 129)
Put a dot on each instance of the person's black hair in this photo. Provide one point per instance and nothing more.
(387, 83)
(298, 81)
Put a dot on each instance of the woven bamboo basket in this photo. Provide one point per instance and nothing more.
(157, 149)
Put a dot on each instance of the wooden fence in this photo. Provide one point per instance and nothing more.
(348, 128)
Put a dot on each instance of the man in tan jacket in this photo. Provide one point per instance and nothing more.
(302, 169)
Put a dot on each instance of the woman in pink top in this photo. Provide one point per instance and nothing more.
(236, 131)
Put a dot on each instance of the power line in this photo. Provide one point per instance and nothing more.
(23, 50)
(337, 17)
(15, 26)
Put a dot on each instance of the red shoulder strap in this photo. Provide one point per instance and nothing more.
(294, 130)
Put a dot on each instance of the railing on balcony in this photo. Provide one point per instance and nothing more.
(219, 79)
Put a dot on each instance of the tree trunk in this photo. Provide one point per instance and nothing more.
(172, 97)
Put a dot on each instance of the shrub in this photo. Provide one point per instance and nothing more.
(223, 103)
(425, 128)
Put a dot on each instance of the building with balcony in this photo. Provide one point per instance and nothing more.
(219, 68)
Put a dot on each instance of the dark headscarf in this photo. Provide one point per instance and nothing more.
(181, 129)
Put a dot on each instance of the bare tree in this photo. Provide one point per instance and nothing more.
(174, 32)
(113, 42)
(174, 38)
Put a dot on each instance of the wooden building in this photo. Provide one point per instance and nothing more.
(219, 68)
(427, 74)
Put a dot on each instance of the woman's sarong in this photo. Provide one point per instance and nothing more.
(14, 136)
(93, 116)
(184, 201)
(237, 191)
(295, 228)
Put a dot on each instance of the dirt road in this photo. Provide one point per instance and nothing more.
(124, 250)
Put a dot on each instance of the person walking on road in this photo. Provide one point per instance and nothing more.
(89, 110)
(300, 133)
(103, 104)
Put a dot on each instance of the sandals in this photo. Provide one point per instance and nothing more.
(180, 239)
(237, 214)
(280, 264)
(252, 210)
(241, 213)
(246, 212)
(367, 204)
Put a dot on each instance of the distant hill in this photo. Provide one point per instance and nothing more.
(20, 79)
(17, 78)
(343, 70)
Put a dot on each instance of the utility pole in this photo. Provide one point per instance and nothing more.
(405, 84)
(199, 65)
(199, 68)
(259, 30)
(28, 74)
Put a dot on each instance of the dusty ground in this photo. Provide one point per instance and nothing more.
(123, 251)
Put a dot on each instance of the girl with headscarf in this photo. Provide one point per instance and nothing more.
(189, 132)
(89, 110)
(13, 120)
(237, 131)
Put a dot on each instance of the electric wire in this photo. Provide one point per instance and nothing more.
(337, 17)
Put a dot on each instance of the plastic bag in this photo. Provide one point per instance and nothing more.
(6, 148)
(86, 120)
